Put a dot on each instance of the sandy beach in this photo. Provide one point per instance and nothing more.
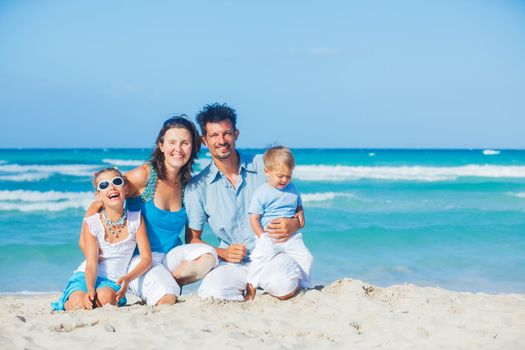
(347, 314)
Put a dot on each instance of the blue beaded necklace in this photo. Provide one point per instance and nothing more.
(149, 191)
(117, 226)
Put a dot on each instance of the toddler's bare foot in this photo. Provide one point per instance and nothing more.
(250, 292)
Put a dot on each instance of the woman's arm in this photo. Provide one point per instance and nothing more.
(95, 207)
(142, 266)
(91, 251)
(137, 180)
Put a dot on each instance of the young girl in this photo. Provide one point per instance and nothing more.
(114, 234)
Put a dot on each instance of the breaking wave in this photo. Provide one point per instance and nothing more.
(123, 162)
(404, 173)
(30, 201)
(323, 196)
(25, 177)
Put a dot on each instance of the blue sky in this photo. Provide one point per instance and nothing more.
(401, 74)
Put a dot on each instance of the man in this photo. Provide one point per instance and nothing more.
(220, 195)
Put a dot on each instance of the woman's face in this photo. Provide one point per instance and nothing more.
(176, 147)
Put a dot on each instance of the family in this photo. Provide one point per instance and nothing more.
(130, 234)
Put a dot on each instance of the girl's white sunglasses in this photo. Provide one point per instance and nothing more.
(104, 184)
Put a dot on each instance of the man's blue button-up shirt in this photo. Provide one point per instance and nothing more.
(211, 197)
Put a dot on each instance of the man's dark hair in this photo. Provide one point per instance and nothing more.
(215, 113)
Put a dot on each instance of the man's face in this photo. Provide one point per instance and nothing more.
(220, 139)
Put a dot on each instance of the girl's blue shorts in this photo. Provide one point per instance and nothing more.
(78, 282)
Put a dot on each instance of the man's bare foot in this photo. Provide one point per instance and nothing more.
(250, 292)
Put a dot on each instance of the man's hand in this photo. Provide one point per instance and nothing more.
(234, 253)
(89, 299)
(279, 230)
(123, 288)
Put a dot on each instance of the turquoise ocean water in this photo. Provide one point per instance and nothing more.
(448, 218)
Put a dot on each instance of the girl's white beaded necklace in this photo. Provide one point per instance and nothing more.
(115, 227)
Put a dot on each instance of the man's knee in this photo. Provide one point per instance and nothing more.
(225, 282)
(211, 287)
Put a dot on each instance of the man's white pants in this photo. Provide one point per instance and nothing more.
(280, 276)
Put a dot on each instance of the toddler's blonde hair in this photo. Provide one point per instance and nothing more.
(278, 155)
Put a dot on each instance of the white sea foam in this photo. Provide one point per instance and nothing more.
(491, 152)
(37, 196)
(63, 169)
(123, 162)
(29, 201)
(27, 292)
(404, 173)
(25, 177)
(323, 196)
(35, 172)
(371, 154)
(518, 194)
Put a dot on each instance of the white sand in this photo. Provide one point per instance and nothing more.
(339, 316)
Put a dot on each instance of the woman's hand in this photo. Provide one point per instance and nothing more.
(124, 283)
(95, 207)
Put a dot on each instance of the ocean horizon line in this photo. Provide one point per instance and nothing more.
(265, 147)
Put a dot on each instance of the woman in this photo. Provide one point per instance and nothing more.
(156, 189)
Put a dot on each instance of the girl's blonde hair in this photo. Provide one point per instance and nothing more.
(278, 155)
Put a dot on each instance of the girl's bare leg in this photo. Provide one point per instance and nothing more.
(106, 295)
(75, 301)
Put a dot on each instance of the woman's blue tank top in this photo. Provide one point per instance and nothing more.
(163, 226)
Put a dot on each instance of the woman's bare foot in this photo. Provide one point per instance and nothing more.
(191, 271)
